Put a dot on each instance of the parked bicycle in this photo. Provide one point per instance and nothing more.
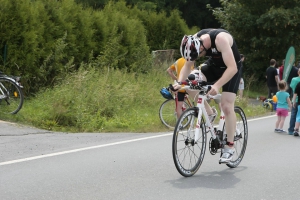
(189, 141)
(167, 110)
(11, 95)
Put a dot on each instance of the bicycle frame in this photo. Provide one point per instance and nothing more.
(202, 112)
(202, 97)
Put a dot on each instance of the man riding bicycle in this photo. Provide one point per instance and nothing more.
(223, 68)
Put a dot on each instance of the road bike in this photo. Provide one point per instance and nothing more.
(189, 141)
(11, 95)
(167, 110)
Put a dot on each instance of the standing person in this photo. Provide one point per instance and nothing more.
(283, 105)
(296, 103)
(223, 66)
(294, 110)
(277, 68)
(281, 69)
(298, 66)
(242, 83)
(293, 74)
(174, 72)
(272, 78)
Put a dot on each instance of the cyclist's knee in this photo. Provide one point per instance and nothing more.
(227, 103)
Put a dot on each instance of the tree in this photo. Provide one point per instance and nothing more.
(195, 13)
(263, 29)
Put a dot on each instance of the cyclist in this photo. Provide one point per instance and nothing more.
(223, 66)
(175, 68)
(174, 72)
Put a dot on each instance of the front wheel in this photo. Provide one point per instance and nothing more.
(240, 137)
(188, 154)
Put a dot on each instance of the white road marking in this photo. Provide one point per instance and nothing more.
(81, 149)
(98, 146)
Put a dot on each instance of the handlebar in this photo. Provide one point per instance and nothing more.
(202, 86)
(194, 85)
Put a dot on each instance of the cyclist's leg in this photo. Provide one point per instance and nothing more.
(227, 104)
(240, 138)
(180, 99)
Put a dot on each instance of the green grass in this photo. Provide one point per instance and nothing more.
(103, 101)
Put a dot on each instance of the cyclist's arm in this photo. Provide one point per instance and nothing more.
(224, 44)
(171, 73)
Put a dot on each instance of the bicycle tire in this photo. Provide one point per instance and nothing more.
(268, 106)
(11, 96)
(167, 113)
(187, 154)
(240, 139)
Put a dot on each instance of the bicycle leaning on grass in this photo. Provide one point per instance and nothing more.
(11, 95)
(167, 110)
(189, 140)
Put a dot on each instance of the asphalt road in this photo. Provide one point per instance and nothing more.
(38, 164)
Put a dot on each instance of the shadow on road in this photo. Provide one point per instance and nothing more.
(214, 179)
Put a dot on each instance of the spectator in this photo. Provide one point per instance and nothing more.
(272, 78)
(293, 74)
(242, 84)
(277, 68)
(298, 66)
(294, 110)
(283, 104)
(281, 69)
(296, 103)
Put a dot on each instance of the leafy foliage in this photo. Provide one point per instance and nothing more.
(48, 39)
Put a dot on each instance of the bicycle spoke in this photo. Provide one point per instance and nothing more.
(188, 154)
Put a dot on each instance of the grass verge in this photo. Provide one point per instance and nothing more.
(103, 101)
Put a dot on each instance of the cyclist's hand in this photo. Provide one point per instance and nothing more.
(176, 86)
(213, 90)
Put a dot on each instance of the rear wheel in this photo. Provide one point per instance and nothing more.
(11, 96)
(240, 137)
(188, 154)
(167, 113)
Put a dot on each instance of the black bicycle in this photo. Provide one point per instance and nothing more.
(11, 95)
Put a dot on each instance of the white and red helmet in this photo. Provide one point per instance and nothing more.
(190, 47)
